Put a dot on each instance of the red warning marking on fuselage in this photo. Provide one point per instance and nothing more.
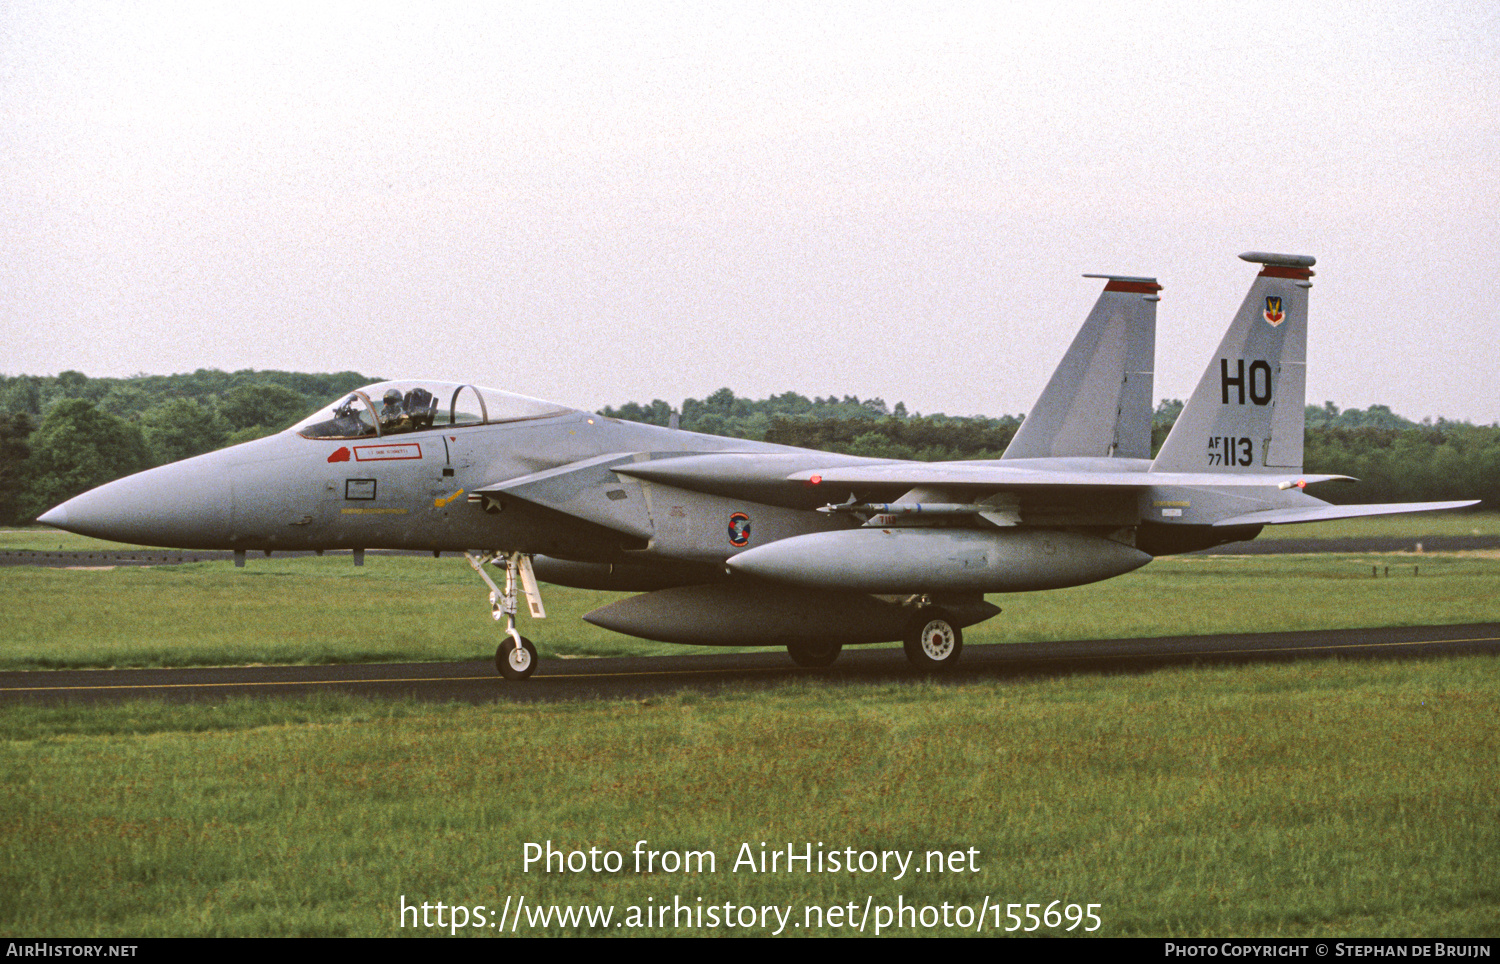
(342, 455)
(387, 453)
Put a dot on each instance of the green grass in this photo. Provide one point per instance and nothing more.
(1319, 798)
(47, 539)
(1290, 799)
(278, 610)
(406, 608)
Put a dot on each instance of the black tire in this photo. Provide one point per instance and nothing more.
(515, 662)
(814, 654)
(933, 641)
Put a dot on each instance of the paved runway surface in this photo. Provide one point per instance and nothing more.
(635, 678)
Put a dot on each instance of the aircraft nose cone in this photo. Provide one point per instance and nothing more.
(186, 505)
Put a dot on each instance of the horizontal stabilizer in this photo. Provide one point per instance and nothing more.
(1276, 517)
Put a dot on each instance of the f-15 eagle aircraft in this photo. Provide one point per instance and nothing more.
(741, 543)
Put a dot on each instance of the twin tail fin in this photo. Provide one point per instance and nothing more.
(1098, 402)
(1246, 415)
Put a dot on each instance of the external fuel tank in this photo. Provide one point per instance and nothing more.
(932, 560)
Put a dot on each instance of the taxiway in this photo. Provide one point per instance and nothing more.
(643, 677)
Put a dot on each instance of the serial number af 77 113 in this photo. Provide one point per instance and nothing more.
(1230, 450)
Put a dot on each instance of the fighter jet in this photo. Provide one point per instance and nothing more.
(734, 542)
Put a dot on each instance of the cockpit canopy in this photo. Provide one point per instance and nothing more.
(398, 408)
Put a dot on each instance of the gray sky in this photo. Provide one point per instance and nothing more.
(601, 203)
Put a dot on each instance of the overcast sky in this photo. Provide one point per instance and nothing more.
(601, 203)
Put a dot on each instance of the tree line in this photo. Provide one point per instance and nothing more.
(64, 434)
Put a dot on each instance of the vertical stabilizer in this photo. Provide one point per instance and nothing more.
(1246, 415)
(1098, 402)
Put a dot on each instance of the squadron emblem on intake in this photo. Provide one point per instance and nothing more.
(739, 530)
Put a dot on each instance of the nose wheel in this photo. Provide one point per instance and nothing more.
(515, 658)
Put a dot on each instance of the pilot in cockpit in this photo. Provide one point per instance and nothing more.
(392, 416)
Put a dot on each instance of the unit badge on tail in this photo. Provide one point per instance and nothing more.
(1273, 314)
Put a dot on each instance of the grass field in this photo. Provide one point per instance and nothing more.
(1294, 799)
(1317, 798)
(399, 608)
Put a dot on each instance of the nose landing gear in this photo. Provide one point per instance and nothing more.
(515, 658)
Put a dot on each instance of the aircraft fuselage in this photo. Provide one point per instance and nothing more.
(738, 542)
(419, 490)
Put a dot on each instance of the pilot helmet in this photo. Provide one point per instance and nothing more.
(392, 397)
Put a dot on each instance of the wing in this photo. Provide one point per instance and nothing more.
(812, 479)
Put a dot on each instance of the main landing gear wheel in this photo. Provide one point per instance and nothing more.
(933, 642)
(516, 661)
(814, 654)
